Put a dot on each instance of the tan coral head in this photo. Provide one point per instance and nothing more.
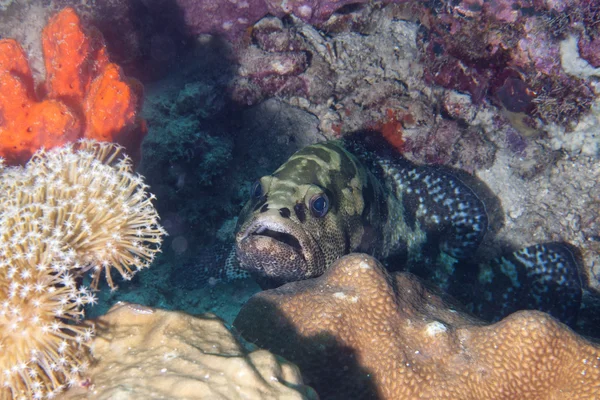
(357, 332)
(144, 353)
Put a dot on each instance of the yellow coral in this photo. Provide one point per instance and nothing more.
(67, 211)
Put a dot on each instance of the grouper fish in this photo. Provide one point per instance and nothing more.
(356, 195)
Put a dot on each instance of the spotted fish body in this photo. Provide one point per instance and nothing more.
(338, 197)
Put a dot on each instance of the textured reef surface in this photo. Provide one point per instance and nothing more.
(357, 332)
(224, 108)
(506, 92)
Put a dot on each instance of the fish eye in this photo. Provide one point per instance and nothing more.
(319, 205)
(256, 190)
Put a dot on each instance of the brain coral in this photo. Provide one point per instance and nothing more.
(357, 332)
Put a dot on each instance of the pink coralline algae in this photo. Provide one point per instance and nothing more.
(509, 51)
(272, 66)
(231, 18)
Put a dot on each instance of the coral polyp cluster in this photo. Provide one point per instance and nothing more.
(42, 351)
(68, 211)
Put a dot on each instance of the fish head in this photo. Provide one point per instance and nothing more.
(304, 216)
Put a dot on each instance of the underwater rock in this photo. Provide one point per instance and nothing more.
(395, 55)
(233, 18)
(357, 332)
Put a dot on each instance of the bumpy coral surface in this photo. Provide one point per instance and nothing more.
(68, 211)
(357, 332)
(84, 95)
(145, 353)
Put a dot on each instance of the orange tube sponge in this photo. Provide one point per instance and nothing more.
(357, 332)
(72, 57)
(14, 61)
(84, 95)
(110, 105)
(26, 124)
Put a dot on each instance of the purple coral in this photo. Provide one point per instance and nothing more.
(227, 18)
(232, 18)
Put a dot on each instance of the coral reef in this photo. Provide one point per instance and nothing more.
(363, 75)
(370, 73)
(145, 38)
(84, 95)
(490, 61)
(508, 52)
(357, 332)
(142, 352)
(234, 18)
(528, 74)
(70, 210)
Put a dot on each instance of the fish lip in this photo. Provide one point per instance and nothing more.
(259, 226)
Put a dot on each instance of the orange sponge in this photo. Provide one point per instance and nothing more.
(72, 57)
(26, 124)
(84, 95)
(110, 105)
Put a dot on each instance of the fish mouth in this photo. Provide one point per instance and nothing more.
(278, 233)
(285, 238)
(275, 252)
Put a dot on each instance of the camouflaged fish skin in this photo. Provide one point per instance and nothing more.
(377, 205)
(334, 198)
(543, 277)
